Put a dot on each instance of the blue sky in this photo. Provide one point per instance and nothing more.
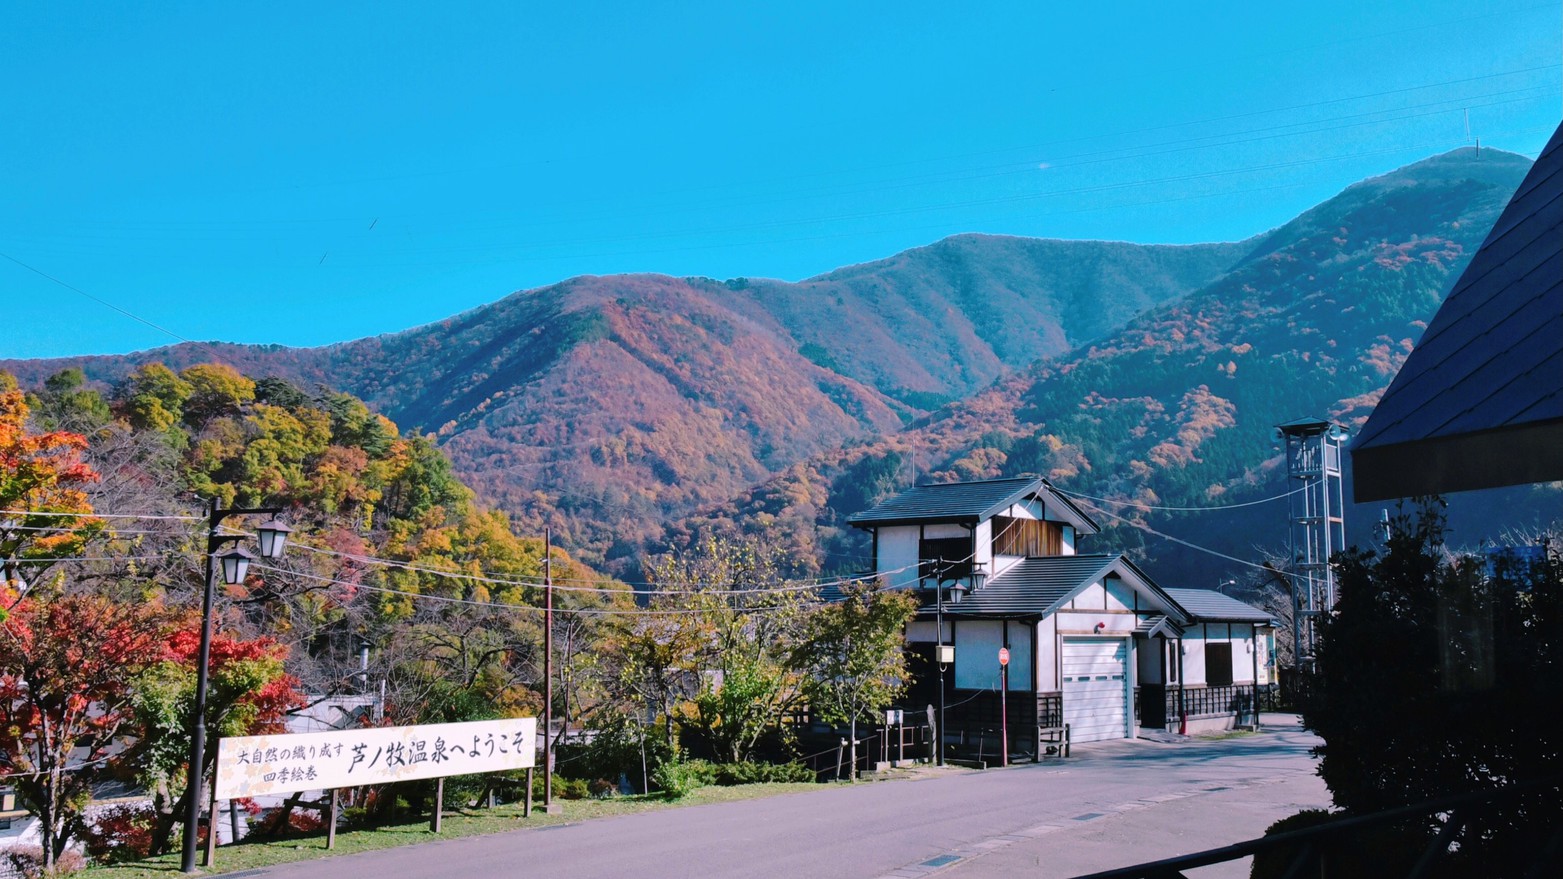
(304, 173)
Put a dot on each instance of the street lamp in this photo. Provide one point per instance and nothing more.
(272, 536)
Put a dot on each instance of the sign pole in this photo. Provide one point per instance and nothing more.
(1003, 706)
(331, 807)
(211, 822)
(439, 805)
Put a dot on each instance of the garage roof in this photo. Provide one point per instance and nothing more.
(1210, 606)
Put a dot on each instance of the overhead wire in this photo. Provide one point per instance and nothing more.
(537, 583)
(1213, 508)
(148, 516)
(500, 605)
(1140, 526)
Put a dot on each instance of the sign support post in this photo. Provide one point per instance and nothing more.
(1003, 706)
(331, 807)
(439, 805)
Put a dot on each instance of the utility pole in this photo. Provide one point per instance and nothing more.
(940, 659)
(548, 670)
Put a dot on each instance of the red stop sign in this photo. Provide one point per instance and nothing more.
(1003, 656)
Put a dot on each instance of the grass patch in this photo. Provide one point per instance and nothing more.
(248, 855)
(1225, 734)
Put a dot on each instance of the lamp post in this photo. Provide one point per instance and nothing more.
(272, 537)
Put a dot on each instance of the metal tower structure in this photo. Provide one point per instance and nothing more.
(1318, 527)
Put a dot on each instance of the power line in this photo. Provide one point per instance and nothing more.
(538, 584)
(499, 605)
(103, 302)
(148, 516)
(1194, 546)
(1145, 506)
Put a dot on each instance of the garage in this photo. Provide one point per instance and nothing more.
(1096, 688)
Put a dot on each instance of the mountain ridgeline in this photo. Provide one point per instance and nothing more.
(605, 406)
(1176, 409)
(634, 411)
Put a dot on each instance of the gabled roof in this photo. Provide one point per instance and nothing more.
(967, 503)
(1158, 625)
(1040, 586)
(1210, 606)
(1479, 402)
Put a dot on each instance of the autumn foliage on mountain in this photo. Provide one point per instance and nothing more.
(602, 406)
(1178, 408)
(630, 412)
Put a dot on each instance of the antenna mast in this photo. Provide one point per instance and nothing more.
(1318, 527)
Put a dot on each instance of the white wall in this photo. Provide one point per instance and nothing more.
(897, 550)
(977, 644)
(1240, 636)
(1047, 656)
(983, 553)
(923, 631)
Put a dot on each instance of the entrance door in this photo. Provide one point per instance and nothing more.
(1096, 688)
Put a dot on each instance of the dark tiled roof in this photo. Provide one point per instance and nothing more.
(966, 502)
(1033, 586)
(1479, 402)
(1210, 606)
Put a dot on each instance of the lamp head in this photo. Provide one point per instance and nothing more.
(236, 564)
(273, 536)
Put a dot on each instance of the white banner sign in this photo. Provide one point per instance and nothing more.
(249, 766)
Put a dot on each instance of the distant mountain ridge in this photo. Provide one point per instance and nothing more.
(603, 405)
(1176, 410)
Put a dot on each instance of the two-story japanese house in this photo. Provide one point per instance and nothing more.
(1093, 642)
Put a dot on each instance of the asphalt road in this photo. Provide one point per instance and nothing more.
(1108, 805)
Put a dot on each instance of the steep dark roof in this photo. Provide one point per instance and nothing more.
(962, 502)
(1210, 606)
(1479, 402)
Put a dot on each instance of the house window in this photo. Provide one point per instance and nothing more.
(1218, 663)
(955, 552)
(1172, 662)
(1031, 538)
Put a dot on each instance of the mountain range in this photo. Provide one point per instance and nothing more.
(634, 411)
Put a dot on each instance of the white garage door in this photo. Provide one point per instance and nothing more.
(1096, 689)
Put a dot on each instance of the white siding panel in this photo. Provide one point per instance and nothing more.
(898, 552)
(1096, 688)
(977, 644)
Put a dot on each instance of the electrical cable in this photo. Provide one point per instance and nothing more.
(1205, 549)
(499, 605)
(148, 516)
(1145, 506)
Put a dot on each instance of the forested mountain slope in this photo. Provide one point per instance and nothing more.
(605, 405)
(1178, 408)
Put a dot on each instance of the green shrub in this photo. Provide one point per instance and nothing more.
(679, 780)
(759, 773)
(615, 750)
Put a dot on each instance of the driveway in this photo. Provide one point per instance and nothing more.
(1110, 804)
